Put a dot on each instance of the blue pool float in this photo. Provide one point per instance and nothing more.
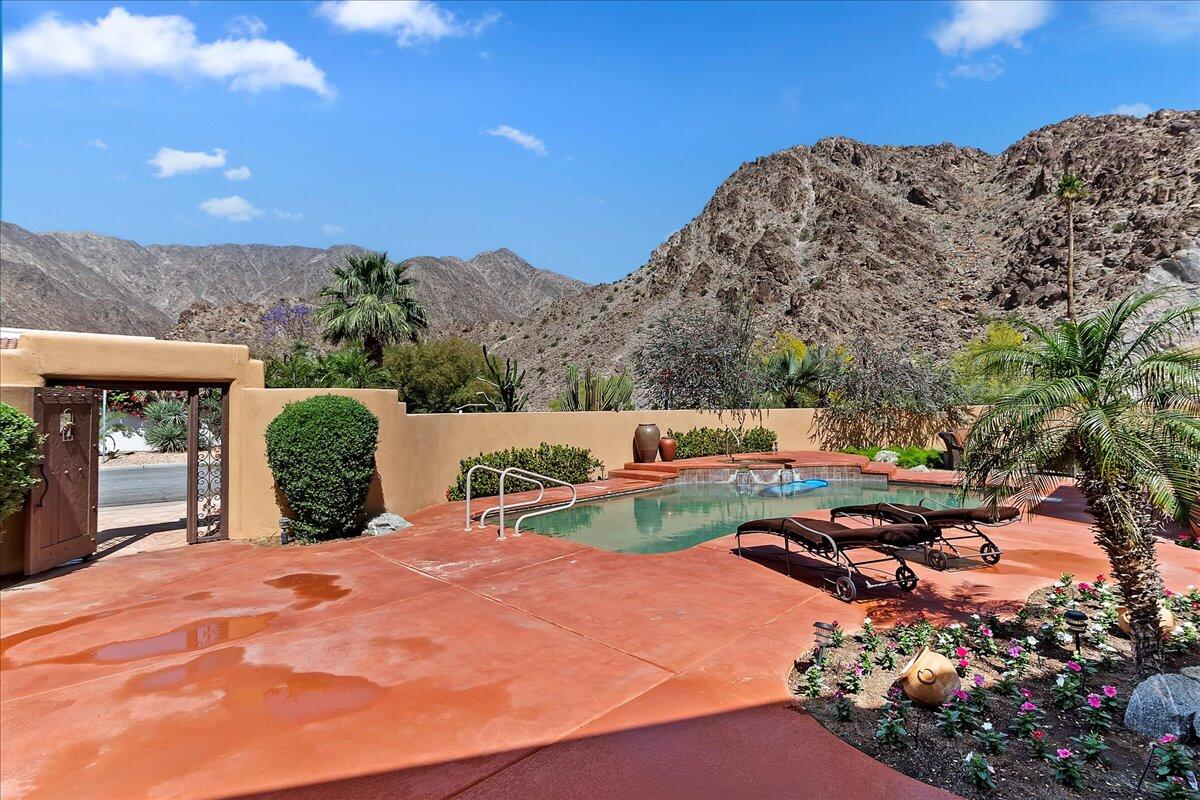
(794, 488)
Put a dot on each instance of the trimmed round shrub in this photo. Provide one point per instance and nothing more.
(322, 454)
(19, 441)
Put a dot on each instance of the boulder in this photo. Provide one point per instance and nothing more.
(887, 457)
(1164, 704)
(386, 523)
(1191, 672)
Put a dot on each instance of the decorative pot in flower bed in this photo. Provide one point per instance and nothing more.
(1031, 719)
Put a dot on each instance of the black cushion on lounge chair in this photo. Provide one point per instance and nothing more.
(915, 514)
(801, 529)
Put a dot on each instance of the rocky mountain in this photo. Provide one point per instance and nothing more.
(76, 280)
(924, 244)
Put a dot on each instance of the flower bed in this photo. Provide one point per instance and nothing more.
(1031, 719)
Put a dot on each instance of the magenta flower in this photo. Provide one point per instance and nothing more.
(1026, 693)
(1074, 666)
(986, 631)
(961, 652)
(959, 694)
(1085, 587)
(1028, 706)
(1168, 738)
(858, 671)
(962, 662)
(1094, 700)
(979, 679)
(1063, 752)
(1109, 691)
(1014, 651)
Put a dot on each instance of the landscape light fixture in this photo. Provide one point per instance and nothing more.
(1076, 623)
(824, 638)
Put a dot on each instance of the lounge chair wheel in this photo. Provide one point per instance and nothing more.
(845, 589)
(906, 579)
(989, 553)
(938, 560)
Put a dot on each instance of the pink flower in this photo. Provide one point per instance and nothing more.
(1028, 706)
(858, 671)
(1039, 734)
(959, 694)
(962, 662)
(979, 679)
(986, 631)
(1168, 738)
(1026, 693)
(1014, 650)
(961, 652)
(1168, 593)
(1094, 700)
(1085, 587)
(1074, 666)
(1109, 691)
(1063, 752)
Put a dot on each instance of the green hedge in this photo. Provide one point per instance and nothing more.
(718, 442)
(909, 456)
(322, 454)
(566, 463)
(19, 442)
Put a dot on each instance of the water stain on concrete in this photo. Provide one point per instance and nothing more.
(198, 635)
(310, 588)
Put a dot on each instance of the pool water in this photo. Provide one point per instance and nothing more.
(681, 516)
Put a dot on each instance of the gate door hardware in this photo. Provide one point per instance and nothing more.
(66, 425)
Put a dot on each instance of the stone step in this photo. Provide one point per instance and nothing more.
(640, 475)
(656, 466)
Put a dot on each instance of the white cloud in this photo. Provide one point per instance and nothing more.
(246, 25)
(1172, 20)
(983, 71)
(526, 140)
(287, 215)
(978, 24)
(170, 161)
(122, 42)
(232, 209)
(1133, 109)
(331, 230)
(238, 174)
(410, 21)
(99, 144)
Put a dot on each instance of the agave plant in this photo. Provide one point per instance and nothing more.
(595, 392)
(1113, 401)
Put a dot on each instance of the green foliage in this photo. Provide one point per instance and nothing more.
(561, 461)
(716, 442)
(305, 368)
(1070, 188)
(371, 301)
(166, 425)
(910, 456)
(322, 454)
(1114, 401)
(595, 392)
(980, 386)
(19, 443)
(797, 376)
(439, 375)
(507, 385)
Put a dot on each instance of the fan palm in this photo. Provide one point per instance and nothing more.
(1070, 188)
(801, 380)
(1113, 401)
(373, 301)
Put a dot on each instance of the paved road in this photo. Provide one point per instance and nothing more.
(147, 483)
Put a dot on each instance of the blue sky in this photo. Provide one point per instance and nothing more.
(578, 135)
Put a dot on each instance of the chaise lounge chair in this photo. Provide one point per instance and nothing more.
(833, 542)
(942, 520)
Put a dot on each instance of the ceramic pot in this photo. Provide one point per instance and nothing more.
(645, 443)
(929, 679)
(666, 448)
(1166, 621)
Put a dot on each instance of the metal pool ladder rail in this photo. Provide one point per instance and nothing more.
(535, 478)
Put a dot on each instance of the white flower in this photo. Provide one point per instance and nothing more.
(987, 726)
(1031, 640)
(866, 620)
(974, 616)
(1060, 680)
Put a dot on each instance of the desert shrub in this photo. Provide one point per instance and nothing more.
(322, 454)
(719, 441)
(561, 461)
(303, 367)
(438, 375)
(19, 442)
(166, 425)
(910, 457)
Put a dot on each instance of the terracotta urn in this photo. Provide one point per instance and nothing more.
(645, 443)
(929, 679)
(666, 448)
(1166, 621)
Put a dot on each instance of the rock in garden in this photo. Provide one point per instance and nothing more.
(887, 457)
(1191, 672)
(386, 523)
(1164, 704)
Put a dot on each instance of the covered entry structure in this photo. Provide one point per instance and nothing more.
(57, 379)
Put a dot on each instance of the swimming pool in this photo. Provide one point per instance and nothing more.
(686, 514)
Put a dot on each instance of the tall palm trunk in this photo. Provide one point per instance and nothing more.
(1071, 261)
(373, 348)
(1124, 530)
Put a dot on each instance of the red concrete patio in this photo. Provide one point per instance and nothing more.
(438, 663)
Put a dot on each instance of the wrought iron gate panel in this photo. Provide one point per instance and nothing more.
(208, 430)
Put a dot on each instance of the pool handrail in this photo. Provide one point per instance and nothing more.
(520, 474)
(526, 475)
(519, 504)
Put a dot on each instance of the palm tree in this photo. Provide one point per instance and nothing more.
(801, 380)
(1070, 188)
(373, 301)
(1114, 402)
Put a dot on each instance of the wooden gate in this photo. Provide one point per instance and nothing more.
(62, 508)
